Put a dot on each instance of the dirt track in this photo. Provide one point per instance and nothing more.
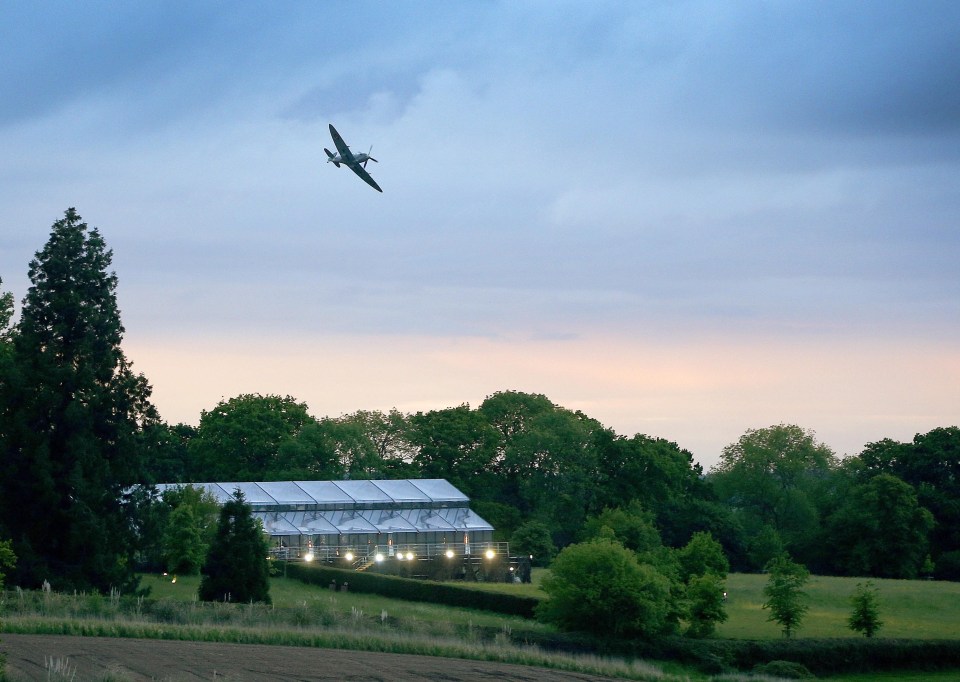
(171, 661)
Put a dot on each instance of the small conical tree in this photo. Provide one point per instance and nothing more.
(865, 617)
(73, 420)
(236, 568)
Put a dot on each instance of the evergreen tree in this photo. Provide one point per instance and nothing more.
(865, 617)
(236, 568)
(73, 421)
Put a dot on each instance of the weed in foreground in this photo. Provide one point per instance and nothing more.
(59, 669)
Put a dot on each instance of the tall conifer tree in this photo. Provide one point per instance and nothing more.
(74, 421)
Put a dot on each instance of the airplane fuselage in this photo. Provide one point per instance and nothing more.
(355, 162)
(360, 158)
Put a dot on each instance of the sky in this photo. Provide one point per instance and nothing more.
(686, 219)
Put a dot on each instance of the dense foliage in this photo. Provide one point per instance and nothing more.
(601, 587)
(77, 430)
(784, 593)
(865, 616)
(236, 567)
(74, 414)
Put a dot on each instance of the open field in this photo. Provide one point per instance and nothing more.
(313, 619)
(911, 609)
(133, 660)
(290, 593)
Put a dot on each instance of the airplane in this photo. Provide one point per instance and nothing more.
(355, 162)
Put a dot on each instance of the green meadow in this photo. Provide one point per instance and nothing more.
(911, 609)
(308, 615)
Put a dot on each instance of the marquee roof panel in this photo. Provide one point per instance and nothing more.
(287, 493)
(331, 495)
(364, 492)
(253, 494)
(325, 492)
(439, 490)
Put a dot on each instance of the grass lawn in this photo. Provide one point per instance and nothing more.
(913, 609)
(916, 609)
(311, 615)
(290, 593)
(898, 676)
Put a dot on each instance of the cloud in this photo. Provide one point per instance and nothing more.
(651, 174)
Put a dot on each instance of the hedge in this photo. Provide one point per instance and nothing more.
(412, 589)
(820, 656)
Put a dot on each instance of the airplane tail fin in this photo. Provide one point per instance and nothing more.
(331, 157)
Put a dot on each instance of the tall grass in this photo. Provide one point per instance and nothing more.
(312, 616)
(317, 618)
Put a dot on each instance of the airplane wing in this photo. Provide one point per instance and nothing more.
(342, 147)
(359, 170)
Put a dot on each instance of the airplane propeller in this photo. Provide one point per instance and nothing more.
(369, 158)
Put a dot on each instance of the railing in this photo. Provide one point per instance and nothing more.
(360, 555)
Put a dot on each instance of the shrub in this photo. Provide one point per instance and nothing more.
(600, 587)
(788, 670)
(948, 566)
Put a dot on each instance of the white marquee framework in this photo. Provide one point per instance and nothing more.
(363, 518)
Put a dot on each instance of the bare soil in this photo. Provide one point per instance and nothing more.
(104, 658)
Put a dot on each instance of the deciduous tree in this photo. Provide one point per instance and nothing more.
(702, 556)
(881, 530)
(240, 438)
(777, 477)
(532, 539)
(785, 598)
(704, 597)
(7, 559)
(633, 527)
(600, 587)
(931, 464)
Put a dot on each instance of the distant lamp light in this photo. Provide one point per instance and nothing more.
(174, 579)
(399, 556)
(409, 556)
(490, 554)
(308, 557)
(348, 556)
(378, 558)
(449, 553)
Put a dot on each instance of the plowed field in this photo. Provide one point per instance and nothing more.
(99, 658)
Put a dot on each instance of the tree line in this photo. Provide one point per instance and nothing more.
(78, 432)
